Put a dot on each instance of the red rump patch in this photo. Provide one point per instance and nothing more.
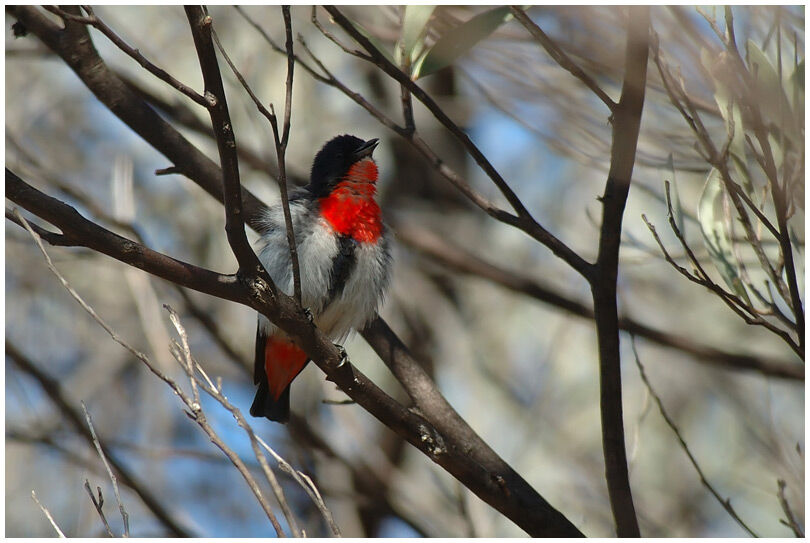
(283, 360)
(350, 208)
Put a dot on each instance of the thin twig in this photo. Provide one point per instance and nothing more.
(439, 250)
(308, 486)
(682, 102)
(731, 300)
(93, 20)
(52, 389)
(523, 219)
(724, 502)
(187, 362)
(560, 57)
(281, 151)
(98, 504)
(189, 366)
(175, 388)
(791, 523)
(47, 513)
(113, 478)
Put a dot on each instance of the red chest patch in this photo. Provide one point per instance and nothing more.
(350, 209)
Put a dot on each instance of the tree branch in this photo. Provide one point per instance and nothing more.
(75, 47)
(461, 261)
(626, 122)
(281, 139)
(560, 57)
(79, 231)
(53, 389)
(494, 481)
(523, 220)
(725, 503)
(161, 74)
(200, 24)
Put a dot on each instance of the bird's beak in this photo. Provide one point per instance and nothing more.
(366, 149)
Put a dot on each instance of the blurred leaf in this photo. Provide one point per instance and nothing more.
(677, 210)
(716, 233)
(797, 82)
(798, 75)
(770, 93)
(459, 40)
(375, 42)
(732, 115)
(414, 27)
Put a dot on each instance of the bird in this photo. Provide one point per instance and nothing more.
(344, 260)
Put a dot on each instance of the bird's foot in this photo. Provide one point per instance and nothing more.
(344, 357)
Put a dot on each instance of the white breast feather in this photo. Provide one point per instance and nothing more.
(317, 247)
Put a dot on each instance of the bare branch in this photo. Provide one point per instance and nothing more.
(560, 57)
(113, 478)
(79, 231)
(200, 24)
(792, 523)
(725, 503)
(626, 123)
(48, 515)
(53, 389)
(161, 74)
(523, 220)
(98, 504)
(457, 259)
(308, 486)
(189, 366)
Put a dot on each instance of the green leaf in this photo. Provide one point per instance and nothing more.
(459, 40)
(414, 27)
(716, 233)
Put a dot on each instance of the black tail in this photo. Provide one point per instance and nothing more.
(265, 406)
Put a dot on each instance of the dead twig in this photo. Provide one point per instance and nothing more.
(113, 478)
(195, 411)
(281, 138)
(48, 515)
(724, 502)
(98, 504)
(190, 367)
(791, 522)
(93, 20)
(560, 57)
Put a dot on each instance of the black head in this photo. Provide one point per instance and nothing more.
(334, 160)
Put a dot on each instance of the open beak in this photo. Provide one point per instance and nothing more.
(366, 149)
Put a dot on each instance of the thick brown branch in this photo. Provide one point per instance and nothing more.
(161, 74)
(626, 122)
(493, 481)
(430, 402)
(82, 232)
(76, 48)
(200, 24)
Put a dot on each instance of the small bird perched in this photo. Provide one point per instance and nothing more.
(343, 257)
